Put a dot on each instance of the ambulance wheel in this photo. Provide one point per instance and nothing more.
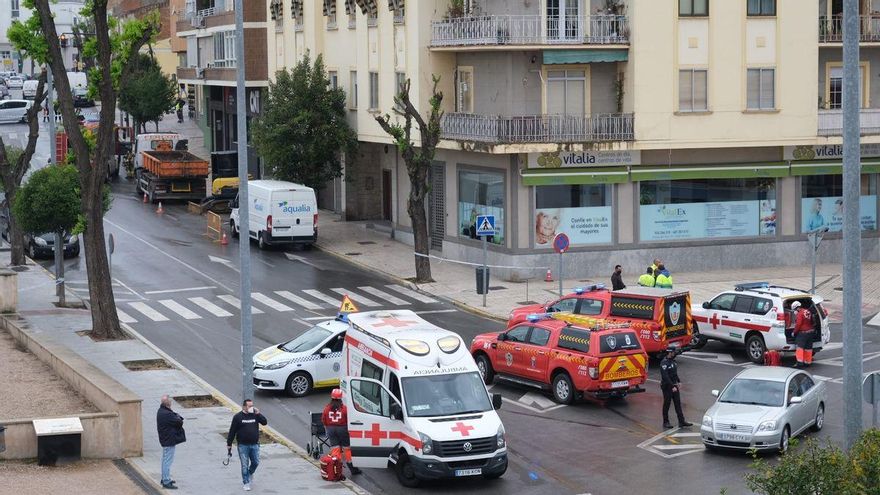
(755, 348)
(406, 475)
(563, 390)
(485, 368)
(299, 384)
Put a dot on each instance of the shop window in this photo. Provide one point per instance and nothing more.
(822, 202)
(480, 193)
(583, 212)
(707, 208)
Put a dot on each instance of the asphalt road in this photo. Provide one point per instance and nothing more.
(598, 448)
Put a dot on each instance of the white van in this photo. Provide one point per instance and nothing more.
(416, 401)
(29, 89)
(280, 213)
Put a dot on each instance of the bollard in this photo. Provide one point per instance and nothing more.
(8, 291)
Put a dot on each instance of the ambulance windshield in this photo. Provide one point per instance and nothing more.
(307, 341)
(445, 395)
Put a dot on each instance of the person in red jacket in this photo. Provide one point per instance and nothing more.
(803, 335)
(335, 419)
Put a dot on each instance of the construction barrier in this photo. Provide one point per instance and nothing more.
(194, 208)
(214, 229)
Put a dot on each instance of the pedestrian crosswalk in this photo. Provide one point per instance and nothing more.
(280, 301)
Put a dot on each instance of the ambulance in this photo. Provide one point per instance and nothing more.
(416, 401)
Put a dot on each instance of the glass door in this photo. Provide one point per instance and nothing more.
(563, 21)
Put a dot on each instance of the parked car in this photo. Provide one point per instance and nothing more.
(14, 110)
(39, 246)
(15, 82)
(81, 98)
(762, 408)
(29, 89)
(4, 92)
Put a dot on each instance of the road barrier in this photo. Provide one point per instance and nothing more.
(214, 229)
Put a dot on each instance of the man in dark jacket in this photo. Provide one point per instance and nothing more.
(671, 387)
(246, 428)
(169, 425)
(617, 278)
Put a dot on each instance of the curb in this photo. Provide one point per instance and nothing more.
(376, 271)
(476, 311)
(232, 405)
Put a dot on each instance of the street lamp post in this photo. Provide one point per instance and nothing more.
(814, 238)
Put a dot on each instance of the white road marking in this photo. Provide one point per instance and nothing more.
(125, 317)
(318, 318)
(293, 257)
(222, 261)
(411, 294)
(655, 449)
(537, 399)
(234, 301)
(298, 300)
(435, 311)
(384, 295)
(685, 434)
(530, 408)
(179, 309)
(210, 307)
(272, 303)
(148, 311)
(171, 291)
(323, 297)
(875, 321)
(357, 298)
(129, 289)
(684, 446)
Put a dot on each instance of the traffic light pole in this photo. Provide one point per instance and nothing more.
(59, 238)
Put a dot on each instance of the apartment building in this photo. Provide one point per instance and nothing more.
(703, 132)
(67, 14)
(161, 47)
(209, 68)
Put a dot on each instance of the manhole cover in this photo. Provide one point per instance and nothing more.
(352, 254)
(524, 303)
(146, 365)
(194, 401)
(19, 268)
(497, 287)
(839, 289)
(365, 243)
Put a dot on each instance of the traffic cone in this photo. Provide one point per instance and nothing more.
(160, 210)
(223, 240)
(549, 277)
(145, 197)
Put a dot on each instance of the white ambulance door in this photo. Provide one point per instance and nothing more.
(374, 432)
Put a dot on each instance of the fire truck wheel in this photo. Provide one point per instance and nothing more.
(406, 475)
(697, 340)
(563, 390)
(485, 368)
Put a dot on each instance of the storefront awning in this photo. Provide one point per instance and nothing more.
(555, 57)
(573, 176)
(831, 167)
(739, 171)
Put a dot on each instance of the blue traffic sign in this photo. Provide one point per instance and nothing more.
(485, 225)
(561, 243)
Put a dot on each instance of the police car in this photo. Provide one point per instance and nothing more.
(758, 315)
(305, 363)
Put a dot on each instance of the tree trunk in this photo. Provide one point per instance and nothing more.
(105, 321)
(416, 210)
(16, 238)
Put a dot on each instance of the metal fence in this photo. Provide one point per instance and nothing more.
(538, 128)
(831, 122)
(831, 28)
(530, 30)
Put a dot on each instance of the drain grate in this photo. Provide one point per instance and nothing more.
(497, 287)
(19, 268)
(352, 254)
(366, 243)
(194, 401)
(147, 365)
(525, 303)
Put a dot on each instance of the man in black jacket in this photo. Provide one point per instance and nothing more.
(246, 427)
(617, 278)
(169, 425)
(671, 386)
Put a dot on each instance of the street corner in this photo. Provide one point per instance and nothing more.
(675, 442)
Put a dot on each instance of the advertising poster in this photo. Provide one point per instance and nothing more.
(707, 220)
(587, 225)
(828, 212)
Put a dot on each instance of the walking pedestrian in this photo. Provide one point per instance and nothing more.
(335, 419)
(179, 106)
(671, 387)
(245, 428)
(664, 278)
(617, 278)
(803, 335)
(169, 425)
(647, 279)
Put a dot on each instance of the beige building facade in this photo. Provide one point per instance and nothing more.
(703, 132)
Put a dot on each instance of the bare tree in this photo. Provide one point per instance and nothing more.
(418, 161)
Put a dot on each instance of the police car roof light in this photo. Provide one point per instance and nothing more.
(752, 285)
(343, 317)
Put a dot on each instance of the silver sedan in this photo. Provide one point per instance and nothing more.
(762, 408)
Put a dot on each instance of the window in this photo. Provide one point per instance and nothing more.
(693, 90)
(574, 339)
(353, 90)
(374, 90)
(563, 20)
(724, 302)
(743, 304)
(614, 342)
(834, 88)
(370, 370)
(539, 336)
(351, 12)
(335, 344)
(224, 49)
(761, 89)
(464, 90)
(581, 211)
(793, 388)
(330, 13)
(333, 76)
(481, 193)
(564, 305)
(762, 306)
(567, 92)
(372, 19)
(761, 7)
(590, 307)
(15, 9)
(806, 384)
(370, 397)
(399, 83)
(394, 385)
(822, 202)
(518, 334)
(693, 8)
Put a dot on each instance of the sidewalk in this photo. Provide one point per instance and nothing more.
(376, 251)
(197, 464)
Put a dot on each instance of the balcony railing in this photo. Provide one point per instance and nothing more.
(831, 28)
(600, 29)
(831, 122)
(538, 128)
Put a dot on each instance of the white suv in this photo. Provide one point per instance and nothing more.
(758, 315)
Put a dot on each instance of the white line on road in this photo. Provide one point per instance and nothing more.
(298, 300)
(171, 291)
(366, 301)
(435, 311)
(384, 295)
(685, 434)
(179, 309)
(234, 301)
(129, 288)
(411, 293)
(125, 317)
(323, 297)
(685, 446)
(210, 307)
(148, 311)
(539, 400)
(875, 321)
(272, 303)
(318, 318)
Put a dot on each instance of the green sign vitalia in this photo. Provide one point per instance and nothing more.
(573, 176)
(831, 167)
(739, 171)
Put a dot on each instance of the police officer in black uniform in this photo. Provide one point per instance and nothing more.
(670, 385)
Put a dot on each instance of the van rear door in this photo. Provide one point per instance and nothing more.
(293, 212)
(620, 357)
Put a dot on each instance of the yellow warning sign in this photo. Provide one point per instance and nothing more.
(347, 306)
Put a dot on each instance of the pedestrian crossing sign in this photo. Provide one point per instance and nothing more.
(347, 306)
(485, 225)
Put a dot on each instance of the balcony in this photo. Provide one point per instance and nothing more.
(831, 122)
(216, 14)
(519, 30)
(537, 128)
(831, 29)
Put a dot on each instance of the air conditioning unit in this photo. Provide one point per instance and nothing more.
(200, 73)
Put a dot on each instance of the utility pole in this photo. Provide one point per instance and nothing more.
(852, 234)
(244, 245)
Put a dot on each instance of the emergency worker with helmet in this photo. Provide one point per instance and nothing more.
(335, 420)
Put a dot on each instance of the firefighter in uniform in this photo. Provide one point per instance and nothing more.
(803, 335)
(670, 385)
(335, 419)
(647, 279)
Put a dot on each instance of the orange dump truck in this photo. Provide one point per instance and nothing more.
(172, 174)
